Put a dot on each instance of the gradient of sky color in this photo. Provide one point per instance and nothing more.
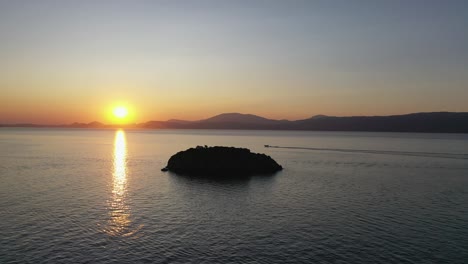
(66, 61)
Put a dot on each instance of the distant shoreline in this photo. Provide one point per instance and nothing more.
(220, 129)
(435, 122)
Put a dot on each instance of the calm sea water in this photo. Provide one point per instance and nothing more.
(98, 196)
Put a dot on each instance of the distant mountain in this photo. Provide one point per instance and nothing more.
(94, 124)
(154, 124)
(436, 122)
(238, 118)
(178, 121)
(319, 117)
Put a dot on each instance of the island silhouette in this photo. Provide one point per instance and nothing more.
(221, 161)
(429, 122)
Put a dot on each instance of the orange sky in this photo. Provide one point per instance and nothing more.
(280, 61)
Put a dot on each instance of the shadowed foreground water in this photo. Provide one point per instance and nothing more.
(81, 196)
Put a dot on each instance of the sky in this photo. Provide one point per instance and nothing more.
(73, 61)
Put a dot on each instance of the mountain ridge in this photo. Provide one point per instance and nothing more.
(433, 122)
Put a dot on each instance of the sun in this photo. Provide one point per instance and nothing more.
(120, 112)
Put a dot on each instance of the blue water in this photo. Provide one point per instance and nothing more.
(98, 196)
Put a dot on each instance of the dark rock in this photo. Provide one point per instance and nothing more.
(221, 161)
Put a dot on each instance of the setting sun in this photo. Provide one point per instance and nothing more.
(120, 112)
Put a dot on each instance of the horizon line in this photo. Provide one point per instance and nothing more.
(203, 119)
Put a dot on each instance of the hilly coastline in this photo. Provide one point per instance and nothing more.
(432, 122)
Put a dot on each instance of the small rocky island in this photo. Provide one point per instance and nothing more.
(221, 161)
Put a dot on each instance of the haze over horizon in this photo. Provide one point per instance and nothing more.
(228, 117)
(74, 61)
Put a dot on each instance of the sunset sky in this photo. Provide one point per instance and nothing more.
(67, 61)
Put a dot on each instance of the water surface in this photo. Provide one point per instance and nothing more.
(98, 196)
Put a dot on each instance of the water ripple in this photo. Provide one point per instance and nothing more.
(64, 202)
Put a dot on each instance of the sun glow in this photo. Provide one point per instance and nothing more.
(120, 112)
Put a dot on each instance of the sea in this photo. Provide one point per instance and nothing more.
(99, 196)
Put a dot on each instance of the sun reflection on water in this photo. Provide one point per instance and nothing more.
(119, 211)
(120, 164)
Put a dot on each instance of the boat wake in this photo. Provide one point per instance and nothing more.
(383, 152)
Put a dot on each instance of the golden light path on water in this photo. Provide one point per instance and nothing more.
(119, 211)
(120, 164)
